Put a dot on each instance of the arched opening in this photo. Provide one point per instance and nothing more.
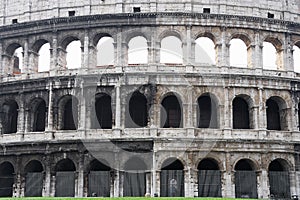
(44, 58)
(171, 112)
(172, 178)
(105, 51)
(240, 112)
(205, 52)
(18, 58)
(269, 56)
(276, 114)
(7, 176)
(171, 50)
(137, 117)
(134, 178)
(39, 118)
(138, 50)
(279, 179)
(65, 178)
(207, 113)
(209, 179)
(69, 113)
(73, 57)
(99, 179)
(34, 179)
(103, 118)
(10, 120)
(296, 56)
(298, 116)
(245, 179)
(238, 53)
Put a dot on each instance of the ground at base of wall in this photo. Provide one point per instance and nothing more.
(121, 198)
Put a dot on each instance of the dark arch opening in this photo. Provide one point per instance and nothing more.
(10, 121)
(138, 111)
(34, 179)
(298, 116)
(40, 117)
(209, 179)
(7, 174)
(171, 113)
(70, 114)
(207, 116)
(273, 115)
(172, 178)
(97, 165)
(279, 180)
(245, 179)
(240, 110)
(65, 178)
(103, 112)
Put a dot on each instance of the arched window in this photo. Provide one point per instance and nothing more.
(39, 118)
(73, 56)
(134, 178)
(209, 179)
(138, 111)
(65, 178)
(296, 56)
(34, 179)
(10, 120)
(105, 51)
(171, 112)
(238, 53)
(7, 176)
(276, 114)
(138, 50)
(279, 179)
(171, 50)
(103, 118)
(18, 63)
(99, 179)
(44, 58)
(172, 178)
(207, 116)
(69, 113)
(205, 51)
(240, 112)
(269, 56)
(245, 179)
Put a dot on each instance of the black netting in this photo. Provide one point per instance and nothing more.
(279, 184)
(99, 184)
(65, 184)
(134, 184)
(245, 184)
(34, 184)
(6, 186)
(209, 183)
(172, 183)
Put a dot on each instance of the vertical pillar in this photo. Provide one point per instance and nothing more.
(187, 51)
(118, 51)
(1, 59)
(254, 114)
(188, 185)
(82, 116)
(80, 178)
(288, 54)
(50, 107)
(117, 184)
(258, 57)
(26, 68)
(53, 53)
(17, 187)
(148, 182)
(85, 61)
(262, 115)
(293, 182)
(227, 109)
(154, 181)
(47, 180)
(228, 187)
(262, 184)
(118, 107)
(188, 122)
(21, 116)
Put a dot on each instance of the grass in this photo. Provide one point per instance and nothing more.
(117, 198)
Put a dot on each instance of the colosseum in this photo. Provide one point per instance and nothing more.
(143, 107)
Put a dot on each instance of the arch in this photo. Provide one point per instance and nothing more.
(34, 179)
(208, 112)
(276, 114)
(205, 52)
(245, 179)
(44, 57)
(99, 165)
(39, 115)
(65, 165)
(172, 178)
(135, 164)
(171, 50)
(103, 117)
(240, 113)
(209, 178)
(138, 50)
(73, 56)
(243, 37)
(238, 53)
(10, 117)
(65, 178)
(171, 112)
(105, 50)
(137, 113)
(68, 114)
(296, 57)
(7, 174)
(279, 179)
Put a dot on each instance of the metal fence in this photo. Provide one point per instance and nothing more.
(134, 184)
(65, 184)
(245, 184)
(209, 183)
(34, 184)
(279, 184)
(99, 184)
(172, 183)
(6, 186)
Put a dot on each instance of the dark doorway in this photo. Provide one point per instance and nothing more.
(172, 178)
(65, 178)
(207, 116)
(10, 121)
(7, 176)
(209, 179)
(70, 114)
(273, 115)
(245, 180)
(171, 113)
(99, 179)
(34, 179)
(103, 112)
(138, 111)
(39, 117)
(279, 180)
(240, 111)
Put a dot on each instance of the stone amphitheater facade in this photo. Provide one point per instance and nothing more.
(185, 129)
